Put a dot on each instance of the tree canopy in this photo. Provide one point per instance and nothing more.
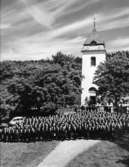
(29, 87)
(40, 86)
(112, 77)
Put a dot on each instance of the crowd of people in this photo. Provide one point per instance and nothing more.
(83, 124)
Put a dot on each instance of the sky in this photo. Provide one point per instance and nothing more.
(38, 29)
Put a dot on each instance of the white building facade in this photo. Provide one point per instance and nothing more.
(93, 53)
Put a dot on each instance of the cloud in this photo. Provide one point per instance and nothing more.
(46, 13)
(116, 14)
(37, 29)
(84, 23)
(82, 4)
(5, 26)
(120, 42)
(71, 27)
(105, 23)
(42, 48)
(41, 16)
(54, 34)
(13, 16)
(119, 13)
(115, 24)
(62, 8)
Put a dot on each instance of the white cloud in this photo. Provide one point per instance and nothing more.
(120, 42)
(42, 16)
(22, 50)
(5, 26)
(62, 8)
(114, 24)
(37, 45)
(71, 27)
(120, 12)
(104, 22)
(82, 5)
(113, 20)
(45, 13)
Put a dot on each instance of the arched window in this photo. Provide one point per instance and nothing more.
(93, 42)
(92, 89)
(93, 61)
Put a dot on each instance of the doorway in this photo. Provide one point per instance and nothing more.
(92, 100)
(92, 97)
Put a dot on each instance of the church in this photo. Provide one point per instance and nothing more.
(93, 53)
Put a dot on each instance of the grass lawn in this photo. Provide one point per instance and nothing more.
(24, 154)
(105, 154)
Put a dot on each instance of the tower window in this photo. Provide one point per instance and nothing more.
(93, 42)
(93, 61)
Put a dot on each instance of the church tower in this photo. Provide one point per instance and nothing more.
(93, 53)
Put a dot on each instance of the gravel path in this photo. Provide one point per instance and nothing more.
(66, 151)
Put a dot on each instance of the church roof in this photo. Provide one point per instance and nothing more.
(94, 38)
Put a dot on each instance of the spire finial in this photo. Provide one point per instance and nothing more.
(94, 25)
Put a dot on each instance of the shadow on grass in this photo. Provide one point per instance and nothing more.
(125, 161)
(122, 139)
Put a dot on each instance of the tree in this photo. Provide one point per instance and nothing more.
(112, 77)
(62, 59)
(29, 87)
(23, 91)
(37, 97)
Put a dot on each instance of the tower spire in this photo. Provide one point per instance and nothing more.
(94, 24)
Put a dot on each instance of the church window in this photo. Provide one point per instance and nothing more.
(93, 61)
(93, 42)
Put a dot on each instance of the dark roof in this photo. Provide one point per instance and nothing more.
(94, 39)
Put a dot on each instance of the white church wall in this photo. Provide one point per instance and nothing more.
(88, 71)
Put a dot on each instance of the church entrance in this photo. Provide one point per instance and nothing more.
(92, 97)
(92, 100)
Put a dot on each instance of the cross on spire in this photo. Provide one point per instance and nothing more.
(94, 25)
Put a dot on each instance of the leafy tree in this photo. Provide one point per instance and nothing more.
(112, 77)
(62, 59)
(37, 97)
(23, 91)
(40, 86)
